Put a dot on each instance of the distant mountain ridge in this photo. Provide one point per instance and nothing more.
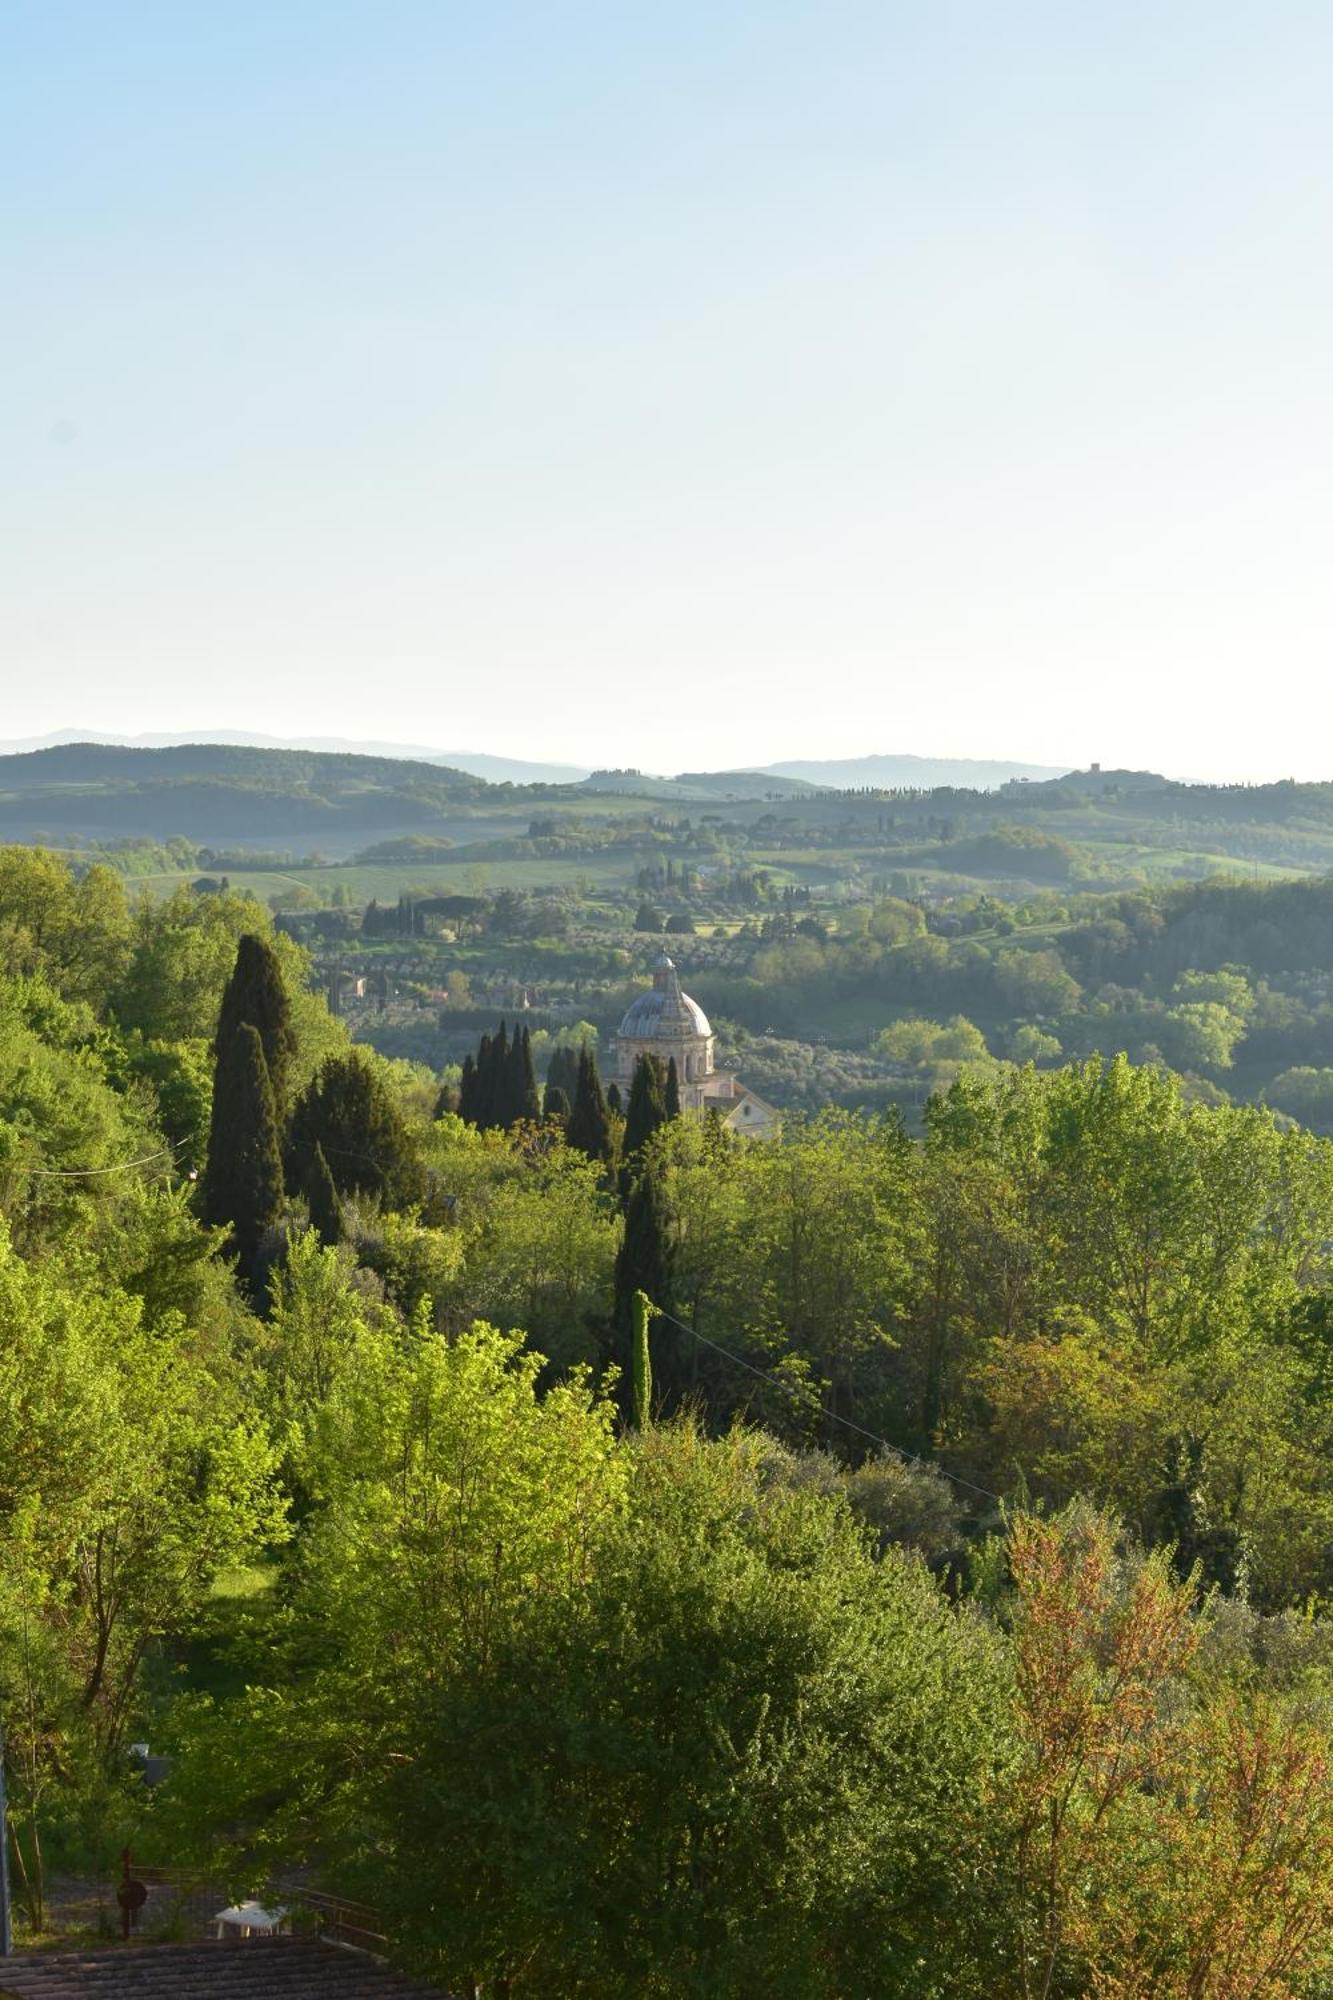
(496, 770)
(927, 774)
(887, 772)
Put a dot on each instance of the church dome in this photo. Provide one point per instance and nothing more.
(665, 1014)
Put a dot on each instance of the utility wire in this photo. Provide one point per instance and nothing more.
(90, 1173)
(774, 1381)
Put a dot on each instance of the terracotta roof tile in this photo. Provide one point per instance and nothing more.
(262, 1969)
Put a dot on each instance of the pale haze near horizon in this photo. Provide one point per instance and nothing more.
(679, 387)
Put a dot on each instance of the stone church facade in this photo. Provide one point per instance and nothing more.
(667, 1023)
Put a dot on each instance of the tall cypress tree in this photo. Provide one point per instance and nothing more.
(523, 1103)
(322, 1197)
(555, 1105)
(589, 1127)
(645, 1112)
(467, 1091)
(256, 992)
(243, 1179)
(563, 1072)
(671, 1091)
(499, 1087)
(472, 1089)
(643, 1262)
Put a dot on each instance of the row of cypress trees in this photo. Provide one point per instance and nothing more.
(499, 1087)
(499, 1091)
(343, 1134)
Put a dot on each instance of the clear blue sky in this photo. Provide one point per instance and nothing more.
(677, 385)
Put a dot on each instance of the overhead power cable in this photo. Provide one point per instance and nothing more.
(92, 1173)
(885, 1444)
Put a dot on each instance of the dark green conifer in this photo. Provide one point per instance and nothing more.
(555, 1105)
(643, 1262)
(467, 1091)
(671, 1091)
(589, 1126)
(613, 1099)
(496, 1095)
(647, 1104)
(256, 992)
(524, 1106)
(243, 1179)
(348, 1112)
(563, 1071)
(322, 1199)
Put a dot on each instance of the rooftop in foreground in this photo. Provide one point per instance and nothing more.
(273, 1969)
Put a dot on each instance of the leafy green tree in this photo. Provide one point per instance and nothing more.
(746, 1760)
(449, 1493)
(62, 1122)
(538, 1253)
(1036, 982)
(129, 1475)
(181, 1077)
(1032, 1044)
(1305, 1093)
(1228, 987)
(1200, 1034)
(1162, 1839)
(935, 1051)
(894, 920)
(315, 1321)
(184, 952)
(71, 930)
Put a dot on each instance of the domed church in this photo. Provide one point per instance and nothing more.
(665, 1022)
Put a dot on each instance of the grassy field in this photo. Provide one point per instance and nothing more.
(386, 881)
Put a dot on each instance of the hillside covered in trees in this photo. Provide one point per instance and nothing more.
(946, 1615)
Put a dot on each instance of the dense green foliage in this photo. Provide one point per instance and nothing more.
(950, 1621)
